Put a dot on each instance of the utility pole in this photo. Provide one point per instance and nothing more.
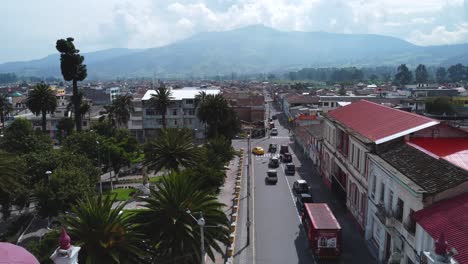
(249, 151)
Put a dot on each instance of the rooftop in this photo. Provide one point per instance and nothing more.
(453, 150)
(184, 93)
(451, 218)
(378, 123)
(432, 174)
(322, 216)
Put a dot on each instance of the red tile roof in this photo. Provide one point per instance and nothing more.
(450, 217)
(453, 150)
(379, 123)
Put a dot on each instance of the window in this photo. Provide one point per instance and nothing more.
(399, 210)
(363, 204)
(189, 101)
(174, 111)
(374, 184)
(358, 157)
(342, 142)
(175, 121)
(159, 120)
(191, 112)
(410, 224)
(382, 192)
(150, 112)
(390, 199)
(325, 103)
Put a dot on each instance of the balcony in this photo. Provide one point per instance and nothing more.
(385, 215)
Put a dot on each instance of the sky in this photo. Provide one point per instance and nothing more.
(29, 28)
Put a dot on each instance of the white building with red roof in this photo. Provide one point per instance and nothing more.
(352, 131)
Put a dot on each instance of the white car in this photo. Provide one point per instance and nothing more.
(274, 132)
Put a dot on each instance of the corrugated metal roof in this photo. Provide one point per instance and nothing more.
(379, 123)
(453, 150)
(451, 218)
(322, 216)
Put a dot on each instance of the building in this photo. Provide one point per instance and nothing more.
(449, 219)
(181, 113)
(350, 133)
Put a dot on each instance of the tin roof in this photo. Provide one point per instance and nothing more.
(453, 150)
(450, 217)
(379, 123)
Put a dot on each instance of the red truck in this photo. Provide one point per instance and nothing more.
(322, 229)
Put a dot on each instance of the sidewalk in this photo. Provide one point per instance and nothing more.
(226, 196)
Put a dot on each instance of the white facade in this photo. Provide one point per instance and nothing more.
(344, 168)
(392, 197)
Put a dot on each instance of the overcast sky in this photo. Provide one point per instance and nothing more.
(29, 28)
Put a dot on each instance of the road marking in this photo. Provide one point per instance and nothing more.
(292, 196)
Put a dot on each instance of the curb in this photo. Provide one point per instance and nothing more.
(235, 209)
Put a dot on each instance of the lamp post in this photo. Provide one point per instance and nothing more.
(201, 223)
(47, 174)
(99, 164)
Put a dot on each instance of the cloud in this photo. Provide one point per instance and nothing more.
(151, 23)
(440, 36)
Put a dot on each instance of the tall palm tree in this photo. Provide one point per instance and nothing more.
(41, 100)
(212, 111)
(172, 149)
(73, 69)
(105, 234)
(122, 109)
(160, 101)
(5, 108)
(174, 234)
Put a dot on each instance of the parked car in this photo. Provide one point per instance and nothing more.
(302, 199)
(272, 177)
(290, 169)
(273, 148)
(274, 162)
(284, 149)
(286, 158)
(273, 117)
(274, 132)
(258, 151)
(300, 186)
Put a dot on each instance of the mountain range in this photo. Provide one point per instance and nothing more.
(253, 49)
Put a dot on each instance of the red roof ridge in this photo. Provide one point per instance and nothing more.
(398, 110)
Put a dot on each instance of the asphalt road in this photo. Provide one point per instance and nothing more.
(277, 233)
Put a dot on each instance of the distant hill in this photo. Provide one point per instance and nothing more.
(250, 49)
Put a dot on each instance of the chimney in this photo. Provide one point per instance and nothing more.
(65, 253)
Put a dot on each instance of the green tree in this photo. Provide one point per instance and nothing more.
(457, 73)
(160, 101)
(173, 233)
(219, 150)
(73, 69)
(41, 100)
(421, 74)
(104, 233)
(171, 149)
(221, 119)
(122, 107)
(83, 144)
(44, 248)
(20, 138)
(403, 76)
(5, 108)
(441, 74)
(65, 126)
(439, 106)
(13, 188)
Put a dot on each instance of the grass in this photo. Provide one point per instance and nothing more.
(155, 179)
(122, 194)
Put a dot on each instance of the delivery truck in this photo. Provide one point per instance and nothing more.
(322, 229)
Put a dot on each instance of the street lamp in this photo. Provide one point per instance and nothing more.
(100, 170)
(201, 223)
(47, 174)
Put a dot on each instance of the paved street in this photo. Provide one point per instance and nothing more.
(277, 234)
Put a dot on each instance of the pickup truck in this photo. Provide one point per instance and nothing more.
(272, 177)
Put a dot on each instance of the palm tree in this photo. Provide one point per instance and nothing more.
(73, 69)
(5, 108)
(41, 100)
(105, 234)
(174, 234)
(160, 101)
(172, 149)
(122, 109)
(212, 111)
